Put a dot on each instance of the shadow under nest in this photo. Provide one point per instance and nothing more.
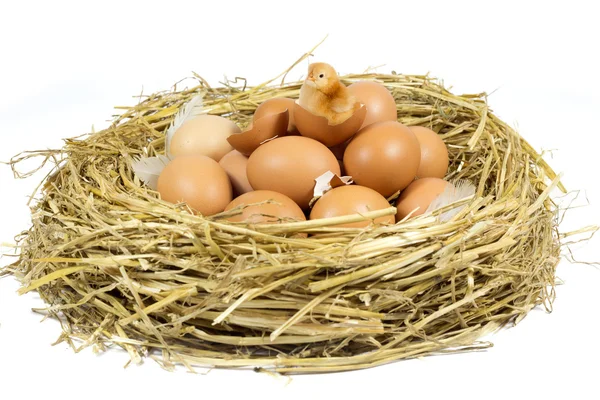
(118, 266)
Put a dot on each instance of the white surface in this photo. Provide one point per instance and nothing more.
(63, 66)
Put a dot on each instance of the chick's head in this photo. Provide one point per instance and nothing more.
(321, 75)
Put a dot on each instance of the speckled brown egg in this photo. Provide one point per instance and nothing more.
(198, 181)
(290, 165)
(419, 194)
(349, 200)
(282, 209)
(276, 106)
(434, 154)
(205, 135)
(380, 103)
(234, 163)
(383, 156)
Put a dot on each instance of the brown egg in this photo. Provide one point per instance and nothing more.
(384, 156)
(290, 165)
(434, 154)
(275, 106)
(349, 200)
(198, 181)
(205, 135)
(419, 194)
(267, 213)
(318, 128)
(234, 163)
(379, 101)
(339, 149)
(261, 130)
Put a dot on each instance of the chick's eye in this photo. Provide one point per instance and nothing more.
(321, 76)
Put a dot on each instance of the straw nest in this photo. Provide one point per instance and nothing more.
(119, 267)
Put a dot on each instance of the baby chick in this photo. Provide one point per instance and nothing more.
(323, 94)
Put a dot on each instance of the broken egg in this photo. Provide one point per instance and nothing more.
(275, 106)
(262, 129)
(318, 128)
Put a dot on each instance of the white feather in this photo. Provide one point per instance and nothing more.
(453, 193)
(192, 109)
(149, 168)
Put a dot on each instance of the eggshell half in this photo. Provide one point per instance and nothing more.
(275, 106)
(318, 128)
(263, 129)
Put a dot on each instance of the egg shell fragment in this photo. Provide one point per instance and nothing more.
(265, 128)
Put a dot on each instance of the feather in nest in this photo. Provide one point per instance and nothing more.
(192, 109)
(453, 193)
(148, 169)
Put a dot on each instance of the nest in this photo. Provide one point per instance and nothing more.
(119, 267)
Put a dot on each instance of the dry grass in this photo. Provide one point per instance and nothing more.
(118, 266)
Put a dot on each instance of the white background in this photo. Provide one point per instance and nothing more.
(63, 66)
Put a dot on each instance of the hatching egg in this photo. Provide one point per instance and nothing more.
(290, 165)
(234, 163)
(275, 106)
(280, 208)
(434, 154)
(198, 181)
(383, 156)
(349, 200)
(379, 101)
(262, 129)
(318, 128)
(418, 196)
(205, 135)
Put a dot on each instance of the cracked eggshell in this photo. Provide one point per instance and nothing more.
(318, 128)
(290, 165)
(205, 135)
(262, 129)
(349, 200)
(275, 106)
